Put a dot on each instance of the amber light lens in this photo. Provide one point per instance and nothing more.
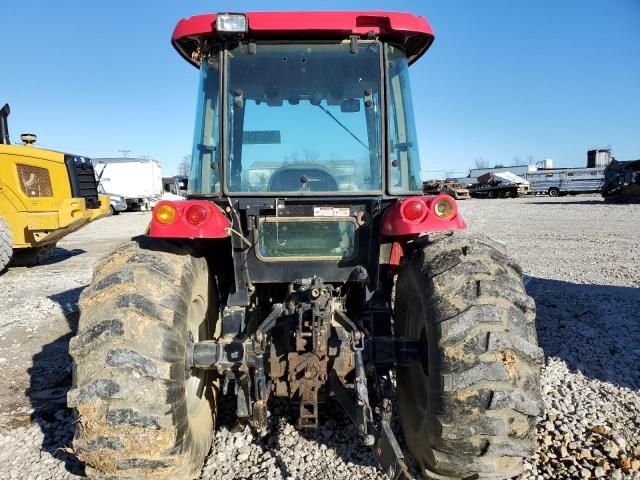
(165, 214)
(196, 214)
(443, 208)
(413, 210)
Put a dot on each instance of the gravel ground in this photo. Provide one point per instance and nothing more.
(582, 264)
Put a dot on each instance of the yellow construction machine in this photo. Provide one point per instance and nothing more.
(44, 195)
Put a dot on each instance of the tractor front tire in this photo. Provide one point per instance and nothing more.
(6, 245)
(141, 411)
(32, 256)
(469, 411)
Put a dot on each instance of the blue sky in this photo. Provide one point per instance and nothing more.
(504, 79)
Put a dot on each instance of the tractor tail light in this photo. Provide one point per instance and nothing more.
(188, 219)
(165, 214)
(413, 210)
(443, 208)
(414, 216)
(195, 214)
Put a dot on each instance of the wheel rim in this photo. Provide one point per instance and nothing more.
(418, 374)
(196, 382)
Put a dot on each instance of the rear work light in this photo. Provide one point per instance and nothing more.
(231, 23)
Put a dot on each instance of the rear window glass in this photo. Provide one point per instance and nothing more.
(290, 238)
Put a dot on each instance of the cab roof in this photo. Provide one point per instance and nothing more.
(411, 31)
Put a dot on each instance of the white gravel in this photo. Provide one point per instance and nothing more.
(581, 258)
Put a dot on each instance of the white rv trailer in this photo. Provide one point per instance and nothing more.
(562, 181)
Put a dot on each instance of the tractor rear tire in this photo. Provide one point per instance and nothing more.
(6, 245)
(141, 411)
(469, 411)
(32, 256)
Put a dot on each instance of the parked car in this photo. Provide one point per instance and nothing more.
(117, 203)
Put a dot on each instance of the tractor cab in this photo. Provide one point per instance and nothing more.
(305, 138)
(274, 103)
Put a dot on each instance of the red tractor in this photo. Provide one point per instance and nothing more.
(306, 264)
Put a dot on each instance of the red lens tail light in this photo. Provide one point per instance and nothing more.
(195, 214)
(413, 210)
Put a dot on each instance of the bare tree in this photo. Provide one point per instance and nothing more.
(481, 163)
(184, 166)
(310, 155)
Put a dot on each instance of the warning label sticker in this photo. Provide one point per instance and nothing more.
(323, 211)
(331, 211)
(341, 212)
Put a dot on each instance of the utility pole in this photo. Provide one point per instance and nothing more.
(124, 152)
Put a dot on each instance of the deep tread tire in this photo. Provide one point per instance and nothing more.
(470, 411)
(138, 415)
(6, 244)
(32, 256)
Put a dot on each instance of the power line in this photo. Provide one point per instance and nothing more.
(124, 152)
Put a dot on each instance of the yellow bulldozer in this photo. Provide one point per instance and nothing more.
(44, 195)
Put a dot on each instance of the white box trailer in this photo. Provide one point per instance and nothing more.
(138, 180)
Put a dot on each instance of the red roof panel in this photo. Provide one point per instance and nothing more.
(411, 31)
